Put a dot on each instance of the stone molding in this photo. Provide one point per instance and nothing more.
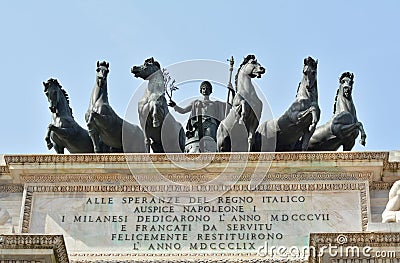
(391, 165)
(4, 170)
(54, 242)
(372, 239)
(11, 188)
(191, 176)
(217, 157)
(380, 186)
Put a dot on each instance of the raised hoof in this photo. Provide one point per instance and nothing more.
(49, 145)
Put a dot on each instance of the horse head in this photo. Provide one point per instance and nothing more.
(103, 68)
(149, 67)
(57, 96)
(251, 67)
(343, 99)
(310, 73)
(346, 81)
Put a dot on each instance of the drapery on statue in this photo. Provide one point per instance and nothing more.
(205, 117)
(343, 128)
(236, 131)
(106, 129)
(163, 133)
(392, 211)
(64, 132)
(293, 130)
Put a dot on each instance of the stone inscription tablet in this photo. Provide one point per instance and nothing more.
(127, 219)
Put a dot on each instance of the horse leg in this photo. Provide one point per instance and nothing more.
(182, 139)
(250, 140)
(347, 146)
(63, 132)
(103, 121)
(363, 134)
(47, 138)
(305, 140)
(243, 114)
(146, 139)
(309, 131)
(345, 130)
(315, 113)
(252, 130)
(223, 139)
(94, 135)
(225, 145)
(59, 149)
(157, 147)
(154, 113)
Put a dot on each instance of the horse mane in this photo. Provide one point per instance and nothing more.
(152, 61)
(336, 97)
(344, 75)
(298, 87)
(103, 64)
(245, 61)
(310, 62)
(64, 92)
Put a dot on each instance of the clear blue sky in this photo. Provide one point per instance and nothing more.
(64, 39)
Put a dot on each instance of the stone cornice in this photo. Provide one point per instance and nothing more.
(54, 242)
(380, 186)
(11, 188)
(391, 165)
(116, 167)
(191, 176)
(4, 170)
(217, 157)
(372, 239)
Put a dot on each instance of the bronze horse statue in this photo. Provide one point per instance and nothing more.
(236, 132)
(109, 132)
(64, 132)
(163, 133)
(292, 131)
(343, 128)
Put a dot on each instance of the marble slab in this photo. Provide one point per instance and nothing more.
(104, 220)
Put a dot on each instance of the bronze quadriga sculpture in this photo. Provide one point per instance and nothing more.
(236, 131)
(64, 132)
(163, 133)
(292, 130)
(343, 128)
(106, 128)
(239, 130)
